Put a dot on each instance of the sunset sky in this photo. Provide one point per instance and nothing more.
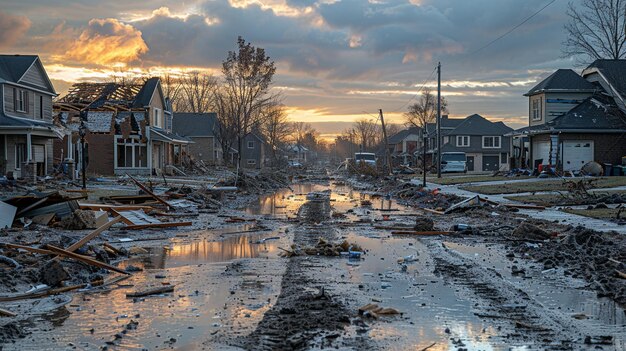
(337, 60)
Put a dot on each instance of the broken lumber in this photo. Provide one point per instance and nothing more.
(28, 248)
(110, 208)
(113, 248)
(413, 232)
(620, 274)
(6, 313)
(84, 259)
(524, 206)
(159, 225)
(155, 291)
(149, 192)
(93, 234)
(432, 211)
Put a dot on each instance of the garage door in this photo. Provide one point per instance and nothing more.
(576, 154)
(39, 153)
(491, 162)
(541, 150)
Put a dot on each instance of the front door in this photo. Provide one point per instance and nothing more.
(470, 163)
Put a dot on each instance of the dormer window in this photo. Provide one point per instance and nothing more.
(535, 112)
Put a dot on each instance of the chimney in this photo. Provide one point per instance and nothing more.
(444, 116)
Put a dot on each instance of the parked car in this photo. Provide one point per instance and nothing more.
(365, 157)
(453, 162)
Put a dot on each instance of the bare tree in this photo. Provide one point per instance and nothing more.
(248, 74)
(197, 91)
(226, 129)
(424, 111)
(299, 131)
(366, 133)
(172, 89)
(596, 30)
(275, 127)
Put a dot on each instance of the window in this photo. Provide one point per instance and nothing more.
(536, 109)
(491, 142)
(251, 162)
(251, 145)
(131, 153)
(157, 117)
(40, 106)
(462, 141)
(20, 155)
(20, 100)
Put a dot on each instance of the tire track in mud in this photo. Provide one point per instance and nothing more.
(305, 315)
(520, 319)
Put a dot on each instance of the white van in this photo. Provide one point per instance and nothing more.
(453, 162)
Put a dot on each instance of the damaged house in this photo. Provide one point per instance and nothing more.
(26, 129)
(129, 129)
(574, 119)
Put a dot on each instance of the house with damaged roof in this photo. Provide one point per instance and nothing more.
(26, 128)
(575, 118)
(129, 129)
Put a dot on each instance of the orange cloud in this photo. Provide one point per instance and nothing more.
(12, 28)
(107, 42)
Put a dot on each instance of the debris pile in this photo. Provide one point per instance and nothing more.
(413, 194)
(325, 248)
(257, 181)
(583, 253)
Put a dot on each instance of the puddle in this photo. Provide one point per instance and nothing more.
(184, 252)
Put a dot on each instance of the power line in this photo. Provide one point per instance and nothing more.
(512, 29)
(418, 91)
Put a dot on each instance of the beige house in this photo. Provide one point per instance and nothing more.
(26, 129)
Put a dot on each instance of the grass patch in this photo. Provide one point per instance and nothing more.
(558, 200)
(598, 213)
(542, 185)
(470, 179)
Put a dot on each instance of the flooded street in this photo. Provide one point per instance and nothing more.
(232, 290)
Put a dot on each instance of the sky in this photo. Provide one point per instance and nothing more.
(337, 60)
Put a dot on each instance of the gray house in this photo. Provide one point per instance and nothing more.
(253, 149)
(201, 129)
(574, 119)
(26, 129)
(483, 141)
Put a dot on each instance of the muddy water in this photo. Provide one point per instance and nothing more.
(207, 302)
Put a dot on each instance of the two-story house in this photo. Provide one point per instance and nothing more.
(484, 143)
(129, 128)
(404, 144)
(26, 129)
(201, 128)
(574, 119)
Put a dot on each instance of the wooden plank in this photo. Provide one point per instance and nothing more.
(6, 313)
(149, 192)
(159, 225)
(432, 211)
(528, 207)
(113, 248)
(620, 274)
(29, 249)
(107, 207)
(84, 259)
(93, 234)
(412, 232)
(155, 291)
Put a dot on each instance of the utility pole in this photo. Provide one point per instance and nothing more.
(387, 155)
(439, 120)
(424, 156)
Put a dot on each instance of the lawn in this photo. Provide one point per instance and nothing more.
(598, 213)
(543, 185)
(556, 199)
(451, 180)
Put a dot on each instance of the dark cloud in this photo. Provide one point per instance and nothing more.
(12, 28)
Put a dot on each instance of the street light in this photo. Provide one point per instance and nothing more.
(82, 131)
